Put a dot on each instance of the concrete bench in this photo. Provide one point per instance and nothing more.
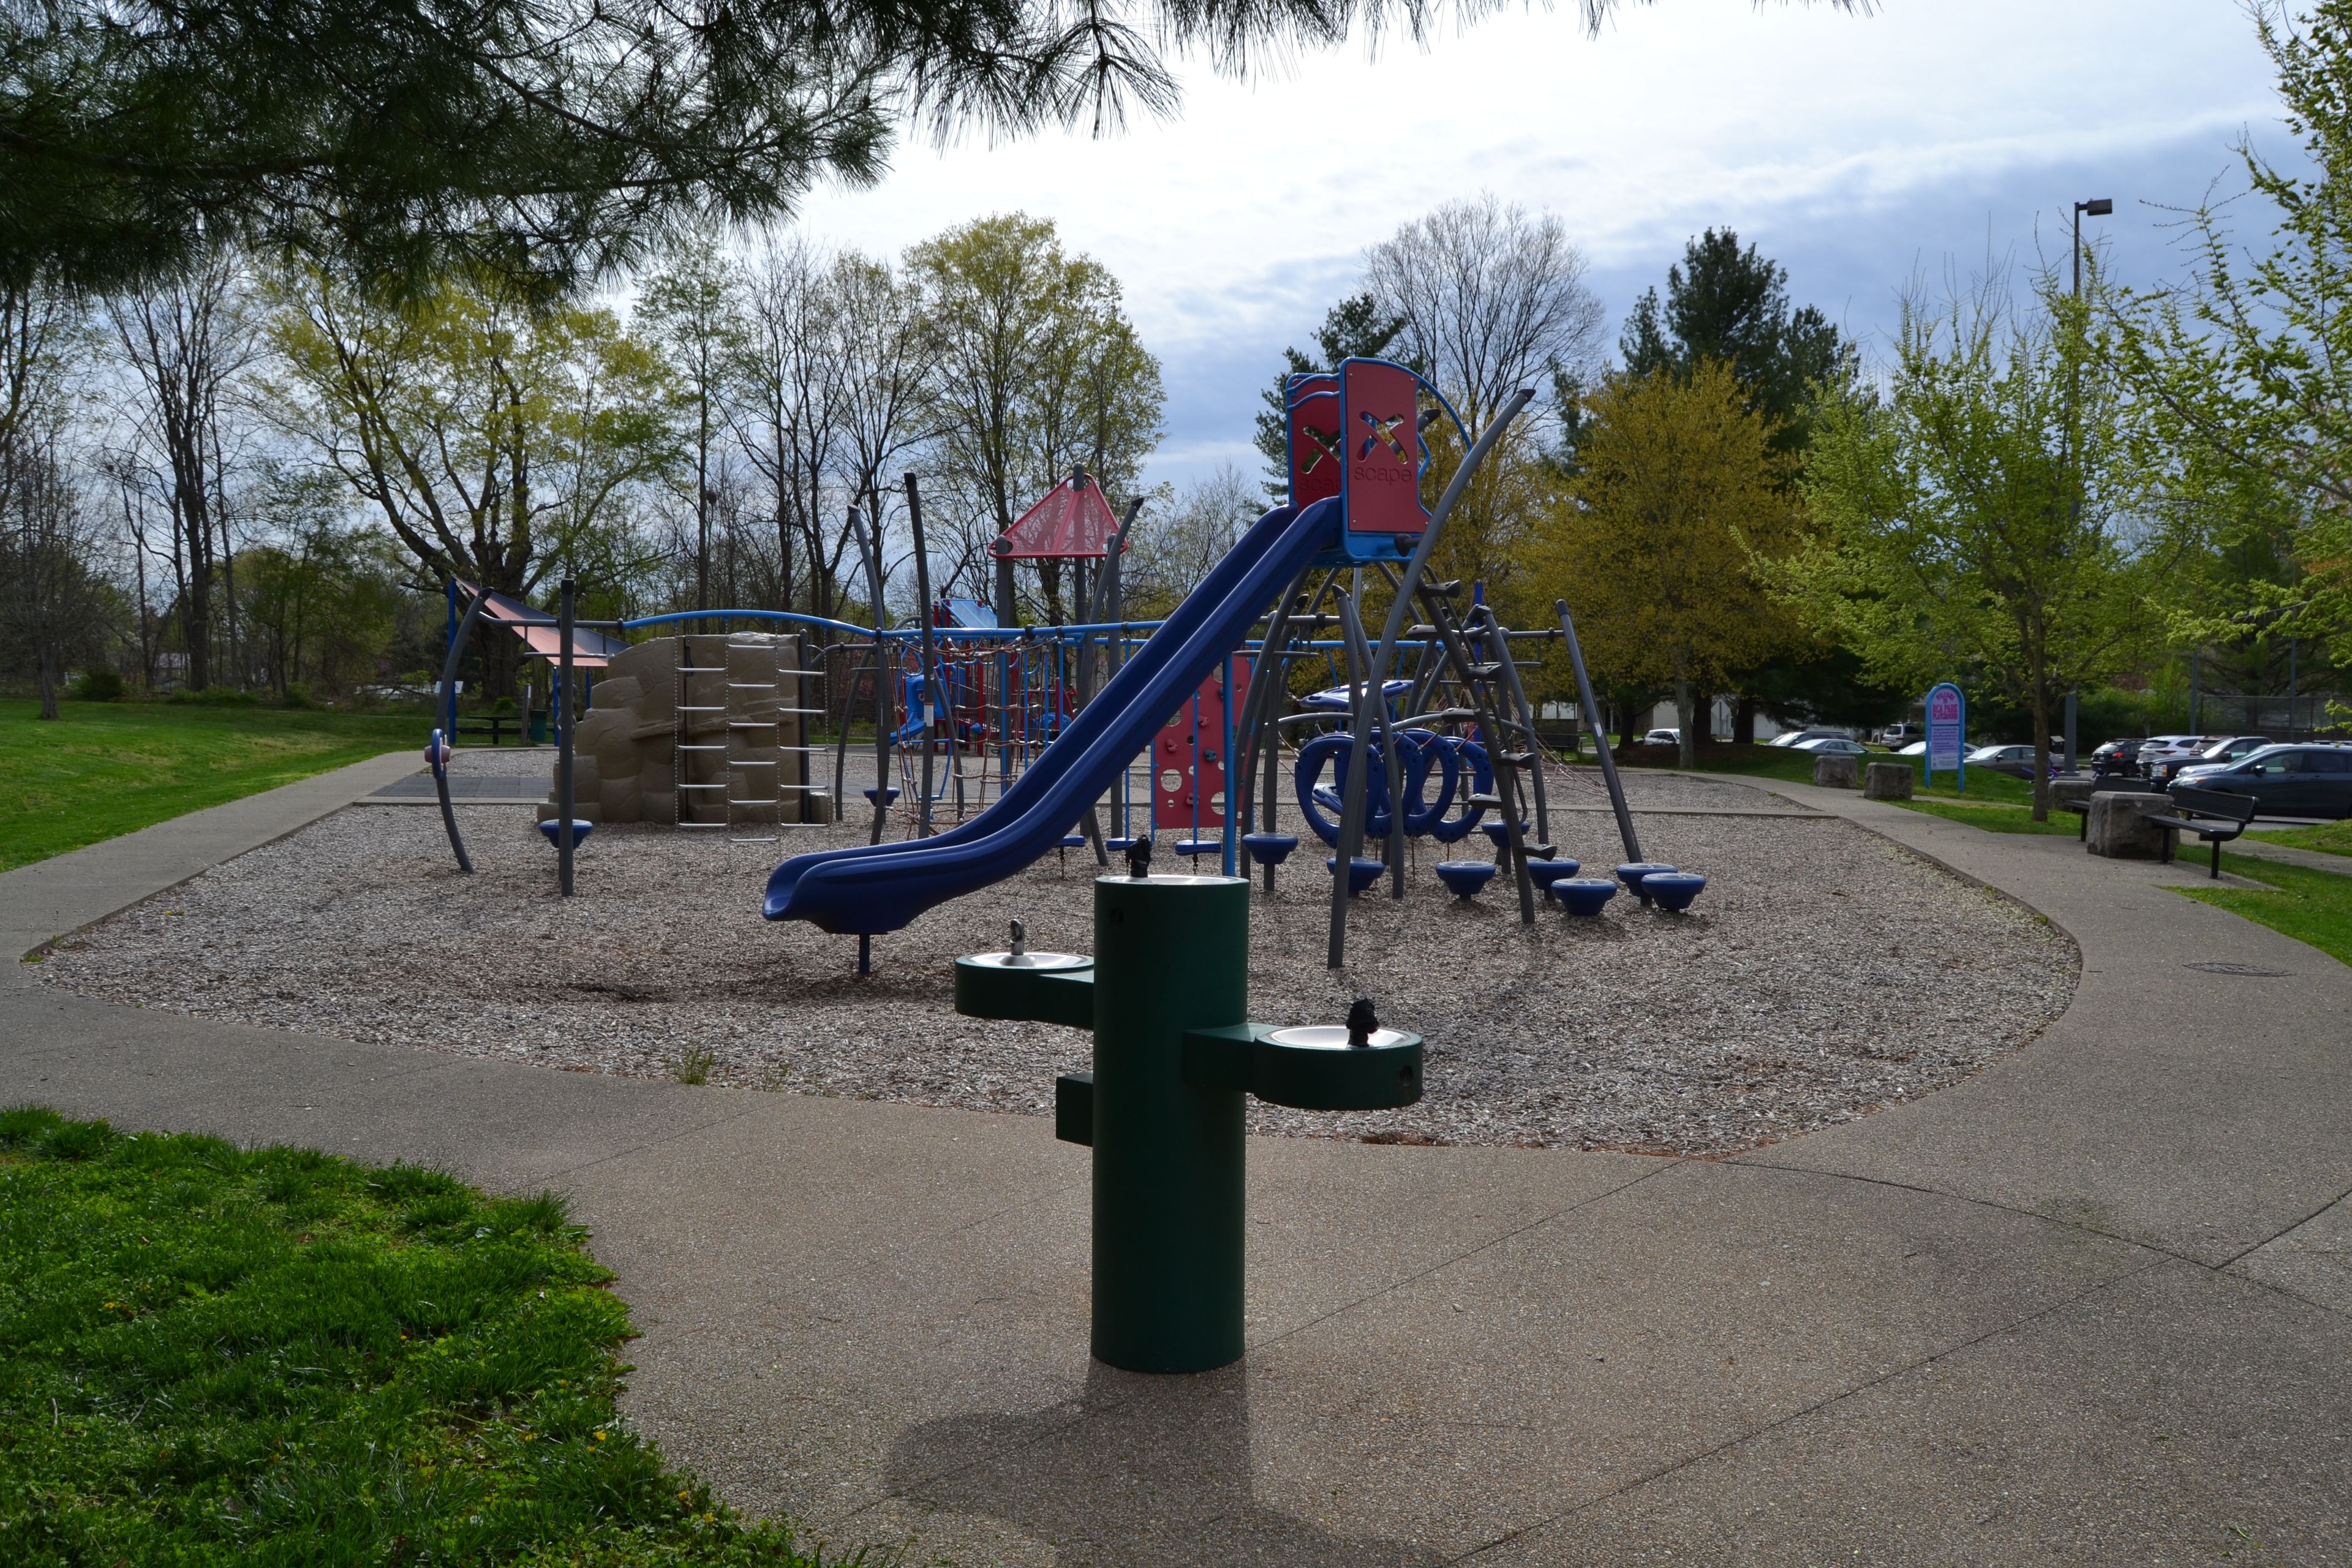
(2210, 814)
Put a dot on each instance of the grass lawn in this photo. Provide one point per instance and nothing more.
(2330, 838)
(1998, 818)
(2308, 905)
(109, 768)
(215, 1357)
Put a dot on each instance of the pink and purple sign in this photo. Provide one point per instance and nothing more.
(1948, 723)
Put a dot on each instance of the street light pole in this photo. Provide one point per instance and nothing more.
(2098, 207)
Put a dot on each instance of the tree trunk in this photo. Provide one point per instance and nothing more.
(1686, 723)
(196, 625)
(46, 658)
(1743, 721)
(1628, 717)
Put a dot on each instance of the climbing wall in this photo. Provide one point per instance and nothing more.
(1188, 758)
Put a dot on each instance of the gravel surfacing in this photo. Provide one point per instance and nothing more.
(1824, 974)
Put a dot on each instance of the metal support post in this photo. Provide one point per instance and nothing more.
(934, 689)
(563, 796)
(1600, 731)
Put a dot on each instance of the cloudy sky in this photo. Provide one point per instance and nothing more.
(1860, 152)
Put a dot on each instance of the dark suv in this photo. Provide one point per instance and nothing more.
(2288, 781)
(2115, 757)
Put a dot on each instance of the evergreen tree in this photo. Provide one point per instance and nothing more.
(1730, 305)
(1726, 303)
(548, 139)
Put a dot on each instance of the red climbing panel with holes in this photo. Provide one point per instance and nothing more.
(1188, 759)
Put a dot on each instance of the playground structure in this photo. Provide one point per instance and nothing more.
(1356, 466)
(1053, 722)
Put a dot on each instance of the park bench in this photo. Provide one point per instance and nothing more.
(2210, 814)
(494, 725)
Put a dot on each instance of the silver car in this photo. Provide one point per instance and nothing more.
(2212, 759)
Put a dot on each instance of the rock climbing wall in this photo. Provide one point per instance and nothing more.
(727, 729)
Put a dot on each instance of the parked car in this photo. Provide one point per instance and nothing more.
(1915, 749)
(2160, 749)
(1661, 738)
(2288, 781)
(2116, 756)
(1902, 734)
(1799, 737)
(2220, 755)
(2015, 761)
(1832, 745)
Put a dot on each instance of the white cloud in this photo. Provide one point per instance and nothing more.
(1854, 148)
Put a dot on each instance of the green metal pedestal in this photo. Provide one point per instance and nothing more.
(1171, 953)
(1174, 1054)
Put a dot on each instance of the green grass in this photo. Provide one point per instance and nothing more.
(2329, 837)
(1998, 818)
(108, 768)
(2311, 906)
(209, 1355)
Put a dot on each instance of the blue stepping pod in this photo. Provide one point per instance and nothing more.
(1463, 879)
(1672, 890)
(1269, 848)
(579, 831)
(1544, 873)
(1586, 896)
(1362, 874)
(1635, 872)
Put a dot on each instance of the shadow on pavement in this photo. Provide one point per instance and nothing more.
(1139, 1469)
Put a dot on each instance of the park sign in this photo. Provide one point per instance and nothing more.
(1947, 725)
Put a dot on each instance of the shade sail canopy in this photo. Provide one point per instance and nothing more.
(1073, 521)
(541, 638)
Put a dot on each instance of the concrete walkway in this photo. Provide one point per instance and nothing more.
(2093, 1305)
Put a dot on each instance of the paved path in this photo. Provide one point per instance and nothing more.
(2093, 1305)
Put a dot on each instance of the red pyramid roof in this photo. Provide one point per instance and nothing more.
(1073, 519)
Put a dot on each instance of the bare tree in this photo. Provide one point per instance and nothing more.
(51, 584)
(692, 312)
(50, 558)
(1175, 547)
(881, 349)
(783, 411)
(187, 339)
(1492, 297)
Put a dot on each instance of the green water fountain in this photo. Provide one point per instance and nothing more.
(1166, 995)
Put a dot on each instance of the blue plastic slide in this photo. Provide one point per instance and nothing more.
(875, 887)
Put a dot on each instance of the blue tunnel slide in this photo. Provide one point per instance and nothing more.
(876, 888)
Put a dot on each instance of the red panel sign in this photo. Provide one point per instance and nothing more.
(1315, 456)
(1188, 758)
(1378, 402)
